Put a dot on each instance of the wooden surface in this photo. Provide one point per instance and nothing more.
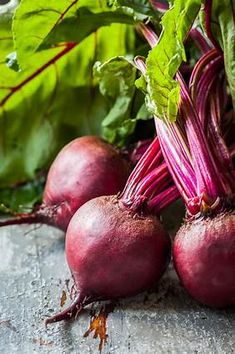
(33, 273)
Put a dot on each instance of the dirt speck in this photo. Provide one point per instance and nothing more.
(42, 341)
(8, 324)
(63, 298)
(98, 325)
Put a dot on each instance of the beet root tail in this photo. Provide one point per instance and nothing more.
(72, 311)
(24, 218)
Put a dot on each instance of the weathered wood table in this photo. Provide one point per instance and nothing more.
(33, 275)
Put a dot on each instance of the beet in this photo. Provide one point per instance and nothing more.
(204, 258)
(84, 169)
(113, 252)
(115, 245)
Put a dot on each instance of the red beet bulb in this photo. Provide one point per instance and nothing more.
(204, 257)
(113, 252)
(84, 169)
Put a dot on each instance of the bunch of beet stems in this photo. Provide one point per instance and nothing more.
(129, 220)
(204, 248)
(201, 166)
(150, 185)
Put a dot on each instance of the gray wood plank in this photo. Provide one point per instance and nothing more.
(33, 272)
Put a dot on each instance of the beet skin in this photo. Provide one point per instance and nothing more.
(204, 257)
(112, 252)
(84, 169)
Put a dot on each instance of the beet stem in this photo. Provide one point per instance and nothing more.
(164, 199)
(200, 40)
(198, 69)
(159, 6)
(149, 178)
(206, 170)
(208, 10)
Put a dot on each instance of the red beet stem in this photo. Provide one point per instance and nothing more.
(206, 170)
(148, 34)
(177, 156)
(198, 70)
(149, 178)
(208, 10)
(200, 40)
(164, 199)
(152, 153)
(203, 82)
(159, 6)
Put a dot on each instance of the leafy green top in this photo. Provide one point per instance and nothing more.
(223, 29)
(165, 58)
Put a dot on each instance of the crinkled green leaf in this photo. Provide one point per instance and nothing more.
(84, 22)
(55, 99)
(6, 41)
(21, 198)
(33, 21)
(165, 58)
(117, 83)
(116, 80)
(140, 83)
(143, 113)
(140, 10)
(42, 23)
(223, 28)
